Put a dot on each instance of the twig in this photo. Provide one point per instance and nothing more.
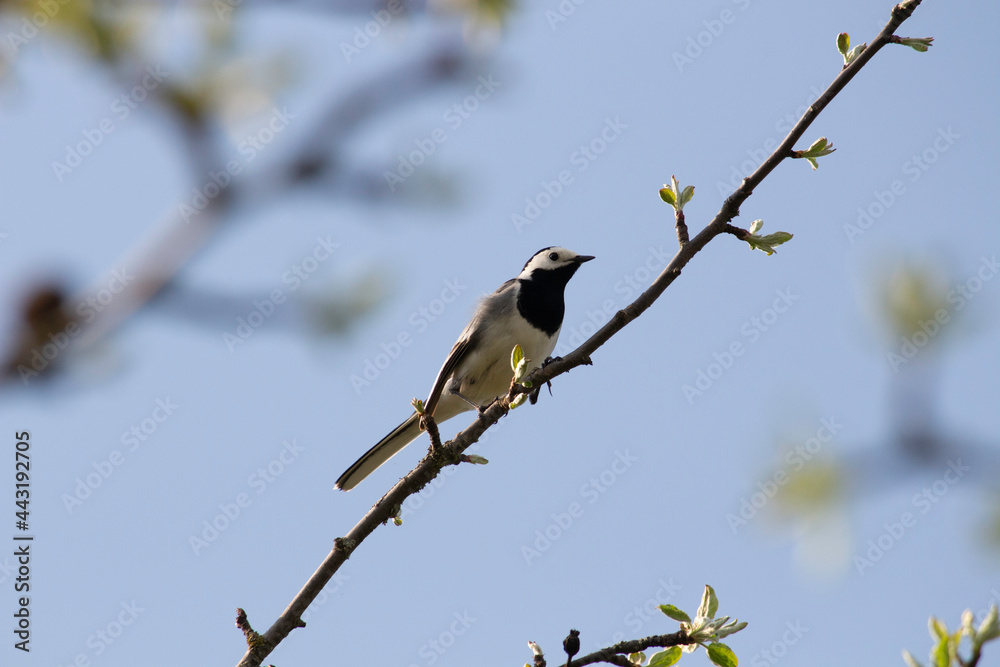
(428, 424)
(682, 229)
(612, 654)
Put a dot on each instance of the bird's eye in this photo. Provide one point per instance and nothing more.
(553, 256)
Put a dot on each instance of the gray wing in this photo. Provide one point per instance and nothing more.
(458, 352)
(466, 343)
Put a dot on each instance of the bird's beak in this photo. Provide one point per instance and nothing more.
(580, 259)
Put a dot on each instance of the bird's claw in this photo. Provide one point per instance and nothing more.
(533, 396)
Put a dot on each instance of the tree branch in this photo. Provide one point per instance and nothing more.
(618, 652)
(450, 452)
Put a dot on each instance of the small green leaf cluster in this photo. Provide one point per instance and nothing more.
(767, 242)
(519, 364)
(844, 46)
(675, 196)
(946, 648)
(819, 148)
(705, 630)
(919, 44)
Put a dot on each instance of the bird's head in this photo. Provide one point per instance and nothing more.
(553, 261)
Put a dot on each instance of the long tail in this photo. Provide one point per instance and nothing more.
(386, 448)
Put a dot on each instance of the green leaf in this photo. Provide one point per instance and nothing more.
(843, 43)
(709, 603)
(686, 194)
(673, 612)
(966, 625)
(518, 400)
(819, 148)
(818, 145)
(919, 44)
(767, 243)
(940, 654)
(853, 54)
(477, 460)
(637, 658)
(666, 658)
(910, 660)
(721, 655)
(937, 629)
(516, 355)
(990, 627)
(732, 628)
(667, 195)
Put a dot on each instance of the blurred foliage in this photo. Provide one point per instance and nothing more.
(913, 294)
(969, 639)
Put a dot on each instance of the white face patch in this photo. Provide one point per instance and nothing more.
(550, 258)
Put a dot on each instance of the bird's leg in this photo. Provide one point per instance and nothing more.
(533, 396)
(455, 391)
(479, 408)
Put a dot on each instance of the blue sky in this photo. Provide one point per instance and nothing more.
(614, 495)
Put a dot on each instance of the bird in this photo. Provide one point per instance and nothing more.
(527, 311)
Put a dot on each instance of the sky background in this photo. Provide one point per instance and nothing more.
(634, 481)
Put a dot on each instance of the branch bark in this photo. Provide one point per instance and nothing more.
(450, 453)
(621, 650)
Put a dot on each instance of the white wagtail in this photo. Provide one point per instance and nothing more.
(526, 311)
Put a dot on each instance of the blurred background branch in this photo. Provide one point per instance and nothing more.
(208, 106)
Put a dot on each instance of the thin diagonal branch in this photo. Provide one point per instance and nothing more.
(450, 453)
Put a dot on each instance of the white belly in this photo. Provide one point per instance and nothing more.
(494, 374)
